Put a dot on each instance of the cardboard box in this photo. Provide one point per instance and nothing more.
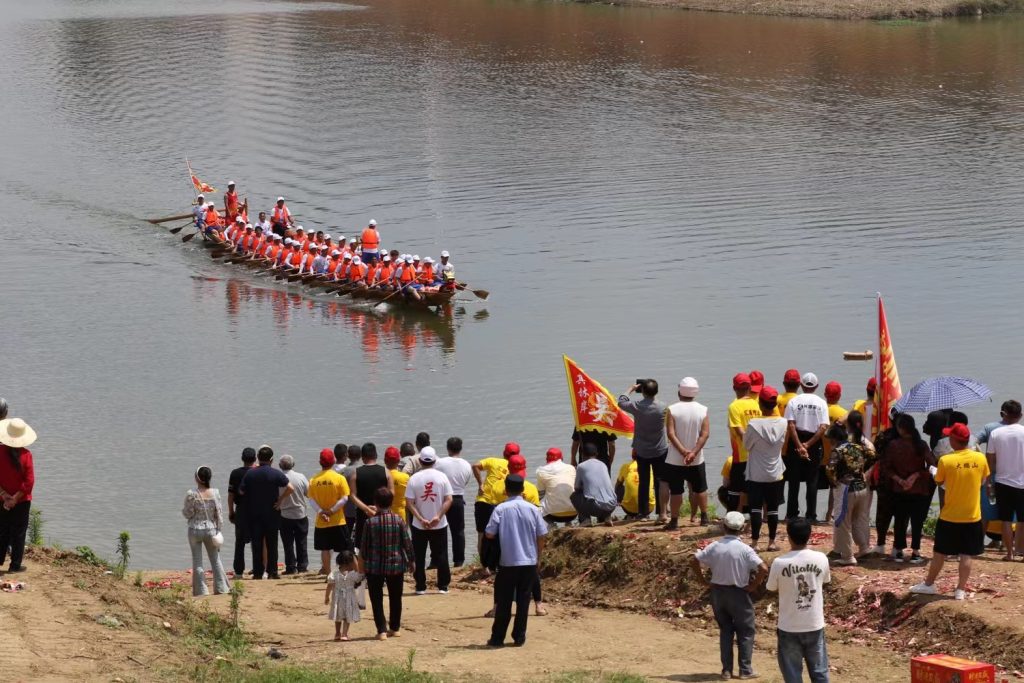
(947, 669)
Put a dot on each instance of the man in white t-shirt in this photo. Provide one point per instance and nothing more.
(807, 415)
(428, 496)
(555, 483)
(799, 577)
(1006, 460)
(459, 473)
(687, 428)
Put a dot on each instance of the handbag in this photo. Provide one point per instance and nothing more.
(218, 538)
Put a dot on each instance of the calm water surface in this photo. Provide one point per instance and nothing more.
(653, 193)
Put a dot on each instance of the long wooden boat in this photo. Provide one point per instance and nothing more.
(319, 286)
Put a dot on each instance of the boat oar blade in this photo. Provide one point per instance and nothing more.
(481, 293)
(175, 231)
(188, 238)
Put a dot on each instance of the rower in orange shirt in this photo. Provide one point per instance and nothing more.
(281, 218)
(357, 272)
(407, 279)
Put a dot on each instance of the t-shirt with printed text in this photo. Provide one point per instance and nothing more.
(962, 472)
(798, 576)
(326, 489)
(426, 492)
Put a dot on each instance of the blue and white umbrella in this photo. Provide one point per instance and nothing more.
(942, 392)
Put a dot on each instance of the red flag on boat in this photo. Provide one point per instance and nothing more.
(593, 407)
(198, 184)
(889, 390)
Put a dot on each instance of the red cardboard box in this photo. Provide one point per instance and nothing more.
(947, 669)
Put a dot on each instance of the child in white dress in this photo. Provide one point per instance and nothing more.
(344, 594)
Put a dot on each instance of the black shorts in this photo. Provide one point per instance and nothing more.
(565, 519)
(738, 478)
(959, 538)
(482, 514)
(1009, 502)
(678, 476)
(331, 538)
(762, 493)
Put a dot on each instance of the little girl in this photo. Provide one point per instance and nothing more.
(344, 586)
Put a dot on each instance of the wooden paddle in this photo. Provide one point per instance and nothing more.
(168, 219)
(188, 238)
(175, 231)
(479, 293)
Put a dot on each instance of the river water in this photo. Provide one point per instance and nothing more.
(654, 193)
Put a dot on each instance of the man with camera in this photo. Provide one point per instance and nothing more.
(649, 440)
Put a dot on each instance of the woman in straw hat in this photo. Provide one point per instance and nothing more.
(16, 481)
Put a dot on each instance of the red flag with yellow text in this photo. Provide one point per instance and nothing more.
(593, 407)
(889, 390)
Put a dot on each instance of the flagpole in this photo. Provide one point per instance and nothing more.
(195, 192)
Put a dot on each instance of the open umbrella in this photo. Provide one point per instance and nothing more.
(942, 392)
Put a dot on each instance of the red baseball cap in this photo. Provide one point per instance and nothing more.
(833, 390)
(392, 454)
(554, 454)
(740, 380)
(327, 457)
(516, 463)
(756, 381)
(511, 448)
(792, 375)
(769, 394)
(957, 431)
(872, 384)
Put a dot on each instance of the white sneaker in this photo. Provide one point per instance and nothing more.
(878, 550)
(924, 589)
(960, 594)
(421, 592)
(443, 591)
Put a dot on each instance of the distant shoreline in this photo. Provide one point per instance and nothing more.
(835, 9)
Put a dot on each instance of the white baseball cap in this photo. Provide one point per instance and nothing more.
(428, 454)
(356, 261)
(199, 196)
(809, 379)
(230, 183)
(239, 219)
(289, 240)
(348, 257)
(352, 241)
(209, 205)
(445, 254)
(416, 257)
(373, 222)
(428, 260)
(688, 387)
(280, 199)
(335, 252)
(327, 236)
(341, 238)
(386, 258)
(734, 521)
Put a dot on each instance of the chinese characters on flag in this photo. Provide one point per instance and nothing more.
(594, 408)
(889, 390)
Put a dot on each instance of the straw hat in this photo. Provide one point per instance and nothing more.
(16, 434)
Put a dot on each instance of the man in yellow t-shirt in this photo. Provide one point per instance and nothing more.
(627, 485)
(392, 456)
(328, 492)
(741, 412)
(959, 530)
(490, 476)
(791, 381)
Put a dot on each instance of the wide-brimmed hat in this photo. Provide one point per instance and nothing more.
(16, 434)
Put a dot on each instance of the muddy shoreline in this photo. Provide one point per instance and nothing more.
(835, 9)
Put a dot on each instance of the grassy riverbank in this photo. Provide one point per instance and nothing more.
(836, 9)
(630, 584)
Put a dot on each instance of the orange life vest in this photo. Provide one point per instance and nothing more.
(212, 218)
(408, 274)
(285, 254)
(357, 273)
(281, 214)
(426, 274)
(370, 239)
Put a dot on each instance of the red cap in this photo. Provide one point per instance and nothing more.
(516, 463)
(769, 394)
(792, 375)
(958, 431)
(554, 454)
(392, 454)
(872, 384)
(833, 390)
(741, 380)
(326, 457)
(756, 381)
(511, 448)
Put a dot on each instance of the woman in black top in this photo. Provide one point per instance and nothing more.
(367, 478)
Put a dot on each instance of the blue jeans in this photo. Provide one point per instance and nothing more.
(796, 648)
(198, 541)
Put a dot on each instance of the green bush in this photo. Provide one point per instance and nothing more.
(35, 527)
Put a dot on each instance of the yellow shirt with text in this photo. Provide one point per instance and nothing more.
(783, 400)
(326, 489)
(962, 472)
(741, 412)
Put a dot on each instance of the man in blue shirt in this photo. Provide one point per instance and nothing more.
(520, 530)
(264, 489)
